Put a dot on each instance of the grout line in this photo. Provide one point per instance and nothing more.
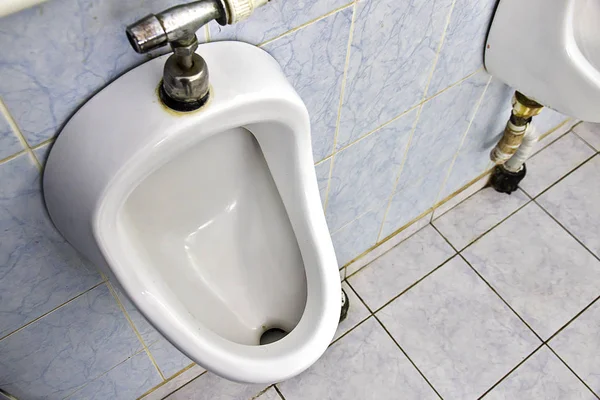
(511, 371)
(440, 46)
(415, 283)
(459, 191)
(279, 392)
(257, 395)
(494, 226)
(566, 230)
(45, 142)
(80, 388)
(340, 105)
(572, 319)
(178, 373)
(408, 145)
(412, 108)
(399, 173)
(299, 27)
(51, 311)
(406, 355)
(181, 387)
(135, 330)
(15, 128)
(571, 369)
(463, 139)
(560, 179)
(387, 238)
(372, 314)
(12, 157)
(352, 221)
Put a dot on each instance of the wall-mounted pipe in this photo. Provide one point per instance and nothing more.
(516, 145)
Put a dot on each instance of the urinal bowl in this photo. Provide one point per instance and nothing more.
(210, 221)
(549, 51)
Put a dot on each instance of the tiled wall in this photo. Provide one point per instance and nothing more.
(403, 115)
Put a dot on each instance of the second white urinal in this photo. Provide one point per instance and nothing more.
(210, 220)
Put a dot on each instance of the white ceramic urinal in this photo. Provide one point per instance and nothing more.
(549, 51)
(210, 220)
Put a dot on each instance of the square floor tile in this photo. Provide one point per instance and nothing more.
(575, 201)
(159, 393)
(402, 266)
(366, 364)
(542, 376)
(477, 214)
(590, 133)
(212, 387)
(458, 332)
(169, 359)
(67, 348)
(579, 346)
(357, 312)
(384, 247)
(538, 268)
(554, 162)
(124, 382)
(270, 394)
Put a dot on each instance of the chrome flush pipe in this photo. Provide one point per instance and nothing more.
(185, 85)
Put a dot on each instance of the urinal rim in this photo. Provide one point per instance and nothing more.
(302, 346)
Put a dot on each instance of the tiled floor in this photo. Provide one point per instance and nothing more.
(496, 298)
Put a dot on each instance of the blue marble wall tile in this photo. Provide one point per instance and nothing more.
(313, 59)
(393, 48)
(71, 346)
(42, 152)
(126, 381)
(38, 269)
(275, 18)
(464, 43)
(548, 120)
(147, 332)
(414, 199)
(358, 236)
(169, 359)
(322, 170)
(364, 174)
(441, 127)
(56, 55)
(485, 131)
(9, 143)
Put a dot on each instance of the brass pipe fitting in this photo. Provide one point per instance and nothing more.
(522, 112)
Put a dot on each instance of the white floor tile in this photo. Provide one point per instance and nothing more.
(542, 376)
(270, 394)
(387, 245)
(175, 383)
(575, 203)
(579, 346)
(212, 387)
(402, 266)
(538, 268)
(356, 313)
(480, 212)
(554, 162)
(590, 133)
(459, 198)
(365, 365)
(458, 332)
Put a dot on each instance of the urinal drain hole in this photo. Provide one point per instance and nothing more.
(272, 335)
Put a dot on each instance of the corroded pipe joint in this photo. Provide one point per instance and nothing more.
(523, 110)
(510, 142)
(524, 107)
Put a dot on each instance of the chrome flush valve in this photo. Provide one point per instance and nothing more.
(185, 85)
